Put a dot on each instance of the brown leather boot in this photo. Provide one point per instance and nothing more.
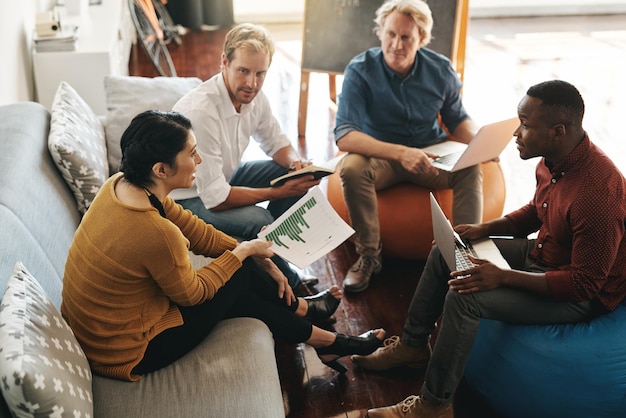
(394, 354)
(358, 277)
(413, 407)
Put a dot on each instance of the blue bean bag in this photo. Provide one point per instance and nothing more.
(552, 371)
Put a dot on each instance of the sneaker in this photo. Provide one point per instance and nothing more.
(358, 277)
(413, 407)
(394, 354)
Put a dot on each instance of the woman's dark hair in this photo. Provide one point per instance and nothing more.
(562, 102)
(152, 137)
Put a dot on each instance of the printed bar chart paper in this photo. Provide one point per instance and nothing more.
(308, 230)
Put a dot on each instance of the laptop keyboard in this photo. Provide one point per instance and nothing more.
(461, 255)
(449, 159)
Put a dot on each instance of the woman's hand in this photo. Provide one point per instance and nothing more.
(284, 290)
(259, 249)
(253, 248)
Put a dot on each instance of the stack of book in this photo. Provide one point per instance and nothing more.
(64, 40)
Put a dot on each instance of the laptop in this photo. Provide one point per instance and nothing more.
(454, 250)
(486, 145)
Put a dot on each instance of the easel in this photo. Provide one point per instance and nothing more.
(457, 57)
(305, 76)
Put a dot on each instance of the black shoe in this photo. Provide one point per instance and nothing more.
(310, 280)
(306, 278)
(345, 345)
(302, 290)
(321, 306)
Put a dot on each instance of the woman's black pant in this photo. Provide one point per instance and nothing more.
(249, 293)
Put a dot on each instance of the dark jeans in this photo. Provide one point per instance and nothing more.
(249, 293)
(462, 314)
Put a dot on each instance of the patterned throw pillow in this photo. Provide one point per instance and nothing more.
(77, 145)
(126, 97)
(43, 370)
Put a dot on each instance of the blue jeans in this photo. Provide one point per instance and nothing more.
(245, 222)
(462, 313)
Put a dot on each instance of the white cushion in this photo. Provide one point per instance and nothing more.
(126, 97)
(77, 145)
(43, 370)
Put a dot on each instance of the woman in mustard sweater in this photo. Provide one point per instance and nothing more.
(130, 292)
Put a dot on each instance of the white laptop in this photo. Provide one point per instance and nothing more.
(454, 250)
(486, 145)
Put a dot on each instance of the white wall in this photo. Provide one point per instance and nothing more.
(17, 22)
(16, 25)
(272, 11)
(268, 11)
(491, 8)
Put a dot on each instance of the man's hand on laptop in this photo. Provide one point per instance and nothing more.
(472, 231)
(484, 276)
(417, 161)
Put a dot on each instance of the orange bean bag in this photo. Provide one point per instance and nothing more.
(404, 211)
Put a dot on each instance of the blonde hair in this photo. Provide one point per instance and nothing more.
(418, 10)
(253, 38)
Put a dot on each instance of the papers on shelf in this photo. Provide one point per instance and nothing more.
(64, 40)
(307, 231)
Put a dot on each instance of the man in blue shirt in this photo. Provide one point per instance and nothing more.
(393, 99)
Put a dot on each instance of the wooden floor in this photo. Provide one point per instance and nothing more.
(310, 388)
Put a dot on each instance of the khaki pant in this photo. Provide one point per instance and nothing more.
(362, 176)
(462, 314)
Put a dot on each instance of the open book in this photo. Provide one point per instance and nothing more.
(318, 171)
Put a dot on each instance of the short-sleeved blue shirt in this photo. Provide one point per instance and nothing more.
(376, 101)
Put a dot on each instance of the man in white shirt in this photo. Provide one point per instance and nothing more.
(226, 111)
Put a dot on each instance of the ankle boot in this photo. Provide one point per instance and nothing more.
(321, 306)
(394, 354)
(413, 407)
(345, 345)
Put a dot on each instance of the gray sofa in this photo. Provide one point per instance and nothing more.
(232, 373)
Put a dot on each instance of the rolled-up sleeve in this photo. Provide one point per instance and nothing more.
(352, 104)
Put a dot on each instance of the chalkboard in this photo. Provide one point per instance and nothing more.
(337, 30)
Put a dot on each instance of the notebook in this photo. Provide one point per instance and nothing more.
(454, 250)
(486, 145)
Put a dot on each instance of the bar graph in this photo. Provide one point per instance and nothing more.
(294, 226)
(308, 230)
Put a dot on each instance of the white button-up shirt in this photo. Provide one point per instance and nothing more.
(223, 135)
